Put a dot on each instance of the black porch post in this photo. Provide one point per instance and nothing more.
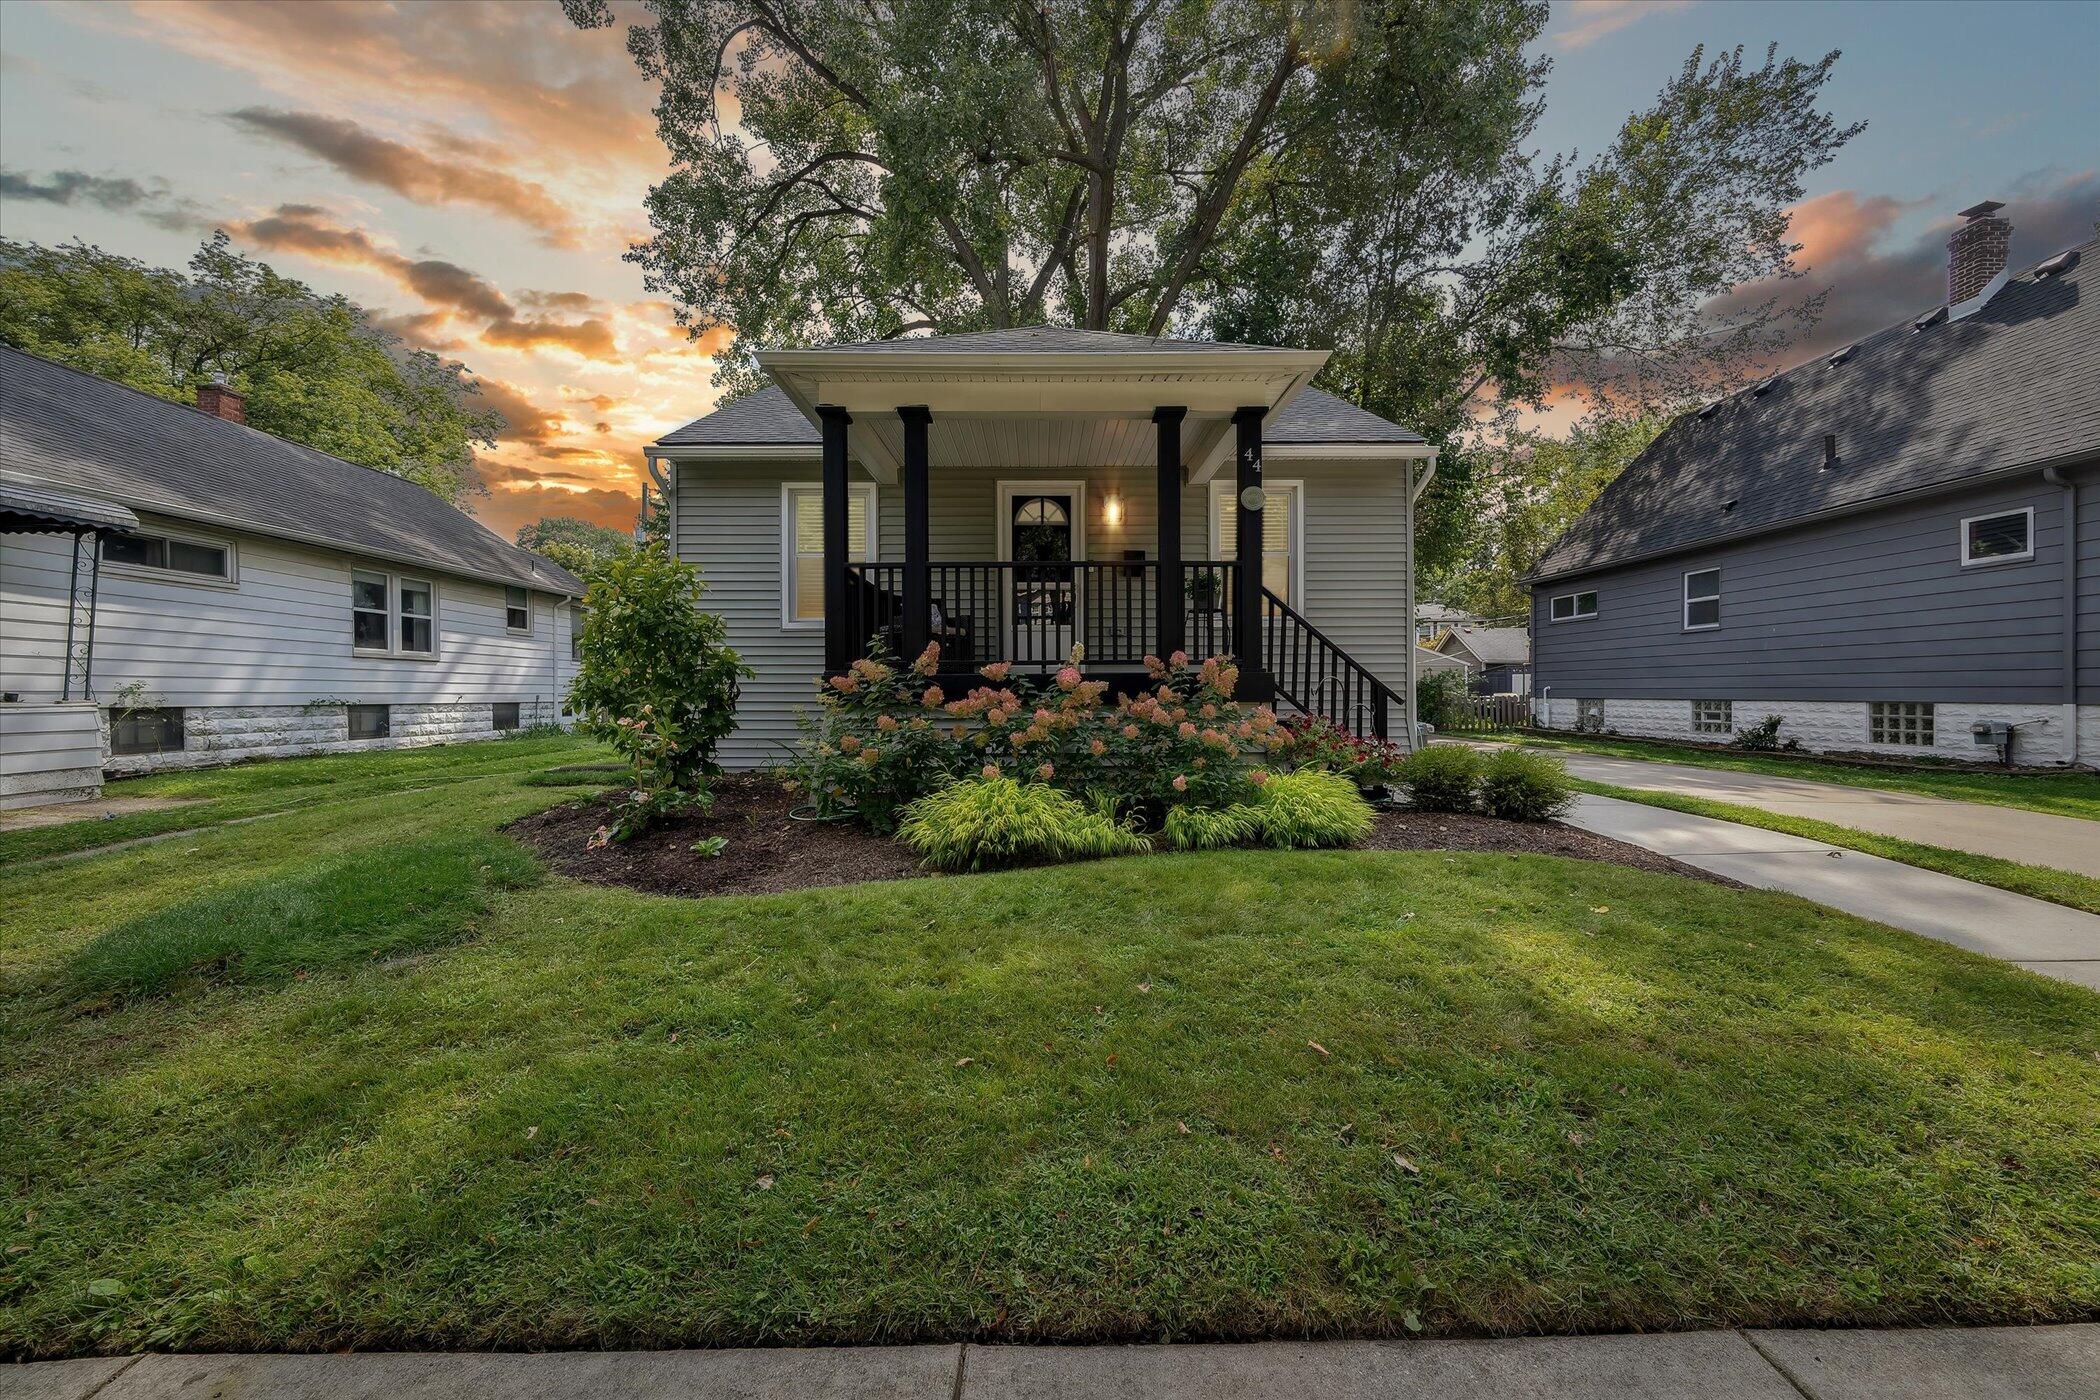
(1173, 619)
(1246, 602)
(838, 596)
(918, 536)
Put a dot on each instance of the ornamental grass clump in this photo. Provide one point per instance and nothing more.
(1525, 787)
(1442, 778)
(992, 821)
(1210, 828)
(1312, 807)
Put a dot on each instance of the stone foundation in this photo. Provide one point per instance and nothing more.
(221, 734)
(1841, 726)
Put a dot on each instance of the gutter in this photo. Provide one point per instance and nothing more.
(2068, 485)
(2068, 461)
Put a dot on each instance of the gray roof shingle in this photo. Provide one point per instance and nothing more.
(65, 430)
(1492, 646)
(768, 417)
(2017, 383)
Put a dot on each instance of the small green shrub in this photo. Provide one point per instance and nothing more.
(1440, 698)
(1313, 807)
(1442, 778)
(1210, 828)
(1525, 787)
(988, 822)
(1763, 737)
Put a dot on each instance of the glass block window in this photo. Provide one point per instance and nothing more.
(145, 731)
(1905, 722)
(1589, 716)
(1713, 717)
(370, 722)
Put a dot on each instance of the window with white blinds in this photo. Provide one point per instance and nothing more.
(802, 553)
(1279, 534)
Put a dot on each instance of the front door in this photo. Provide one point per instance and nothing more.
(1043, 531)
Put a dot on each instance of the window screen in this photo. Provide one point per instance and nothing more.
(1997, 538)
(416, 616)
(368, 614)
(145, 731)
(1702, 599)
(517, 609)
(1277, 524)
(370, 722)
(504, 714)
(1903, 722)
(805, 562)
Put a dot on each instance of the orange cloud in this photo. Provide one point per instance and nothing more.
(364, 155)
(1593, 19)
(592, 339)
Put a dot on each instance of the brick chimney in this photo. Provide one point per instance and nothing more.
(220, 401)
(1977, 252)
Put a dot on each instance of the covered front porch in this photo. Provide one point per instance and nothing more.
(1017, 512)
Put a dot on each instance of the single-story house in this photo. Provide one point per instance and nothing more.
(1432, 620)
(1014, 495)
(1497, 659)
(1894, 547)
(178, 589)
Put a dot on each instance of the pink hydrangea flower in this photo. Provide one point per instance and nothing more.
(929, 660)
(996, 672)
(991, 770)
(1097, 748)
(1187, 730)
(1044, 772)
(1178, 659)
(933, 698)
(1130, 731)
(996, 718)
(869, 756)
(849, 744)
(1181, 782)
(886, 723)
(1067, 679)
(845, 685)
(1258, 776)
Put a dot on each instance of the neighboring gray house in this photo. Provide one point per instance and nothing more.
(1497, 659)
(178, 589)
(1014, 494)
(1432, 620)
(1886, 547)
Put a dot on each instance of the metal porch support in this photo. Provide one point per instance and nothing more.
(918, 534)
(1246, 601)
(83, 591)
(838, 597)
(1173, 616)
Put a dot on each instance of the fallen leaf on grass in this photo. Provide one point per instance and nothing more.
(1406, 1165)
(1600, 908)
(1183, 1126)
(1319, 1047)
(532, 1132)
(963, 1061)
(765, 1183)
(812, 1224)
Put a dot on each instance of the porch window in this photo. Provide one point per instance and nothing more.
(802, 547)
(1280, 532)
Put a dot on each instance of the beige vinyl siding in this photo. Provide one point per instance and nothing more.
(727, 521)
(279, 635)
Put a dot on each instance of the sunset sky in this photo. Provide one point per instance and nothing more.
(474, 172)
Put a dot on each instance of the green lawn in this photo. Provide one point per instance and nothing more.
(361, 1074)
(2061, 794)
(2064, 887)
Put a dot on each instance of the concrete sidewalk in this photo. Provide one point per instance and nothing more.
(2042, 937)
(1984, 1363)
(2009, 833)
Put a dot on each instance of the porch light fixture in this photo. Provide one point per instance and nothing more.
(1112, 511)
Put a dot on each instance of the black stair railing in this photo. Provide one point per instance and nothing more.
(1318, 677)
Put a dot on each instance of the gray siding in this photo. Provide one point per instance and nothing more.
(1868, 607)
(2089, 589)
(727, 522)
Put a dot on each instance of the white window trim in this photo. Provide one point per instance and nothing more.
(526, 630)
(231, 579)
(1221, 489)
(1961, 543)
(393, 650)
(1574, 616)
(788, 489)
(1685, 594)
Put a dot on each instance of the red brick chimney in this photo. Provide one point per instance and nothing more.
(1977, 252)
(220, 401)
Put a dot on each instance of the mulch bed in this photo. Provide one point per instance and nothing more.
(770, 852)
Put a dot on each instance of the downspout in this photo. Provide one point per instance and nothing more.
(1409, 705)
(2057, 477)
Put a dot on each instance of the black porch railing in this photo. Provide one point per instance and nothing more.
(1034, 614)
(1317, 677)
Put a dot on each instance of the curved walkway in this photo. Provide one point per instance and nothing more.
(2041, 937)
(2009, 833)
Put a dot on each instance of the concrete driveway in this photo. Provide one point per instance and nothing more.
(2032, 838)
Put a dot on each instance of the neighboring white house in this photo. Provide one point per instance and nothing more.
(178, 589)
(1013, 494)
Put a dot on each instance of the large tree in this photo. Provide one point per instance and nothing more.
(1357, 174)
(577, 545)
(314, 369)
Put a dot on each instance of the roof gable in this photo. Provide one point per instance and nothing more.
(67, 430)
(1917, 406)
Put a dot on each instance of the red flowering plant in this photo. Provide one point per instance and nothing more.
(887, 736)
(1315, 741)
